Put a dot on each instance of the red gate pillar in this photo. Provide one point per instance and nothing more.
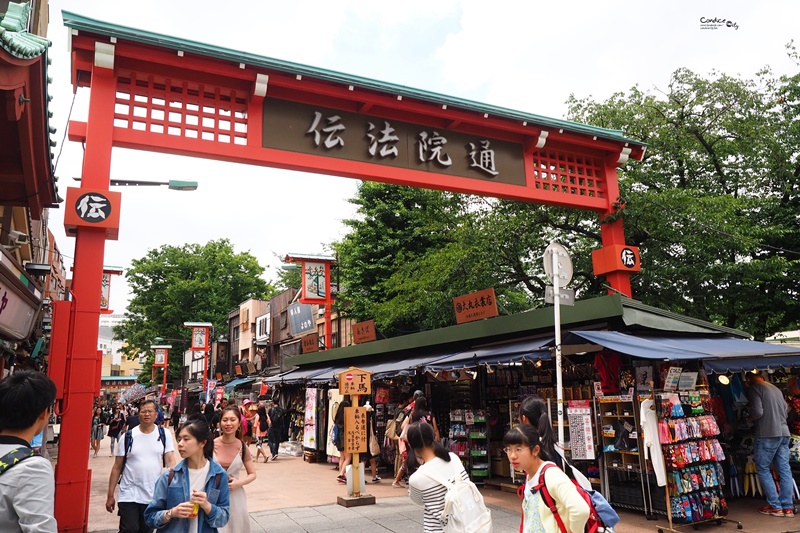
(82, 381)
(615, 260)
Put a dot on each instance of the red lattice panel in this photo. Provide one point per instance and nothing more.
(181, 110)
(562, 173)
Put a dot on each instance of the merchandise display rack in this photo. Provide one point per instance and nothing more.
(623, 466)
(692, 454)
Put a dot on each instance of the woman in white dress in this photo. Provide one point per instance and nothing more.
(232, 455)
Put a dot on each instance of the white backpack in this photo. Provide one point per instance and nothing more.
(464, 509)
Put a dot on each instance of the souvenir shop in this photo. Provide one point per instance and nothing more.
(614, 381)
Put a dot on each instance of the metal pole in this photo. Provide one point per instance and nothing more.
(557, 321)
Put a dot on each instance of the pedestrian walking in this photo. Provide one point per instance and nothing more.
(233, 455)
(275, 431)
(145, 451)
(194, 494)
(524, 450)
(27, 485)
(261, 425)
(769, 411)
(344, 457)
(98, 429)
(115, 426)
(437, 463)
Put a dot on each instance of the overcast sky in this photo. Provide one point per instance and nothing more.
(524, 55)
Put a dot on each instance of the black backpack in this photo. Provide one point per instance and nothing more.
(15, 457)
(276, 415)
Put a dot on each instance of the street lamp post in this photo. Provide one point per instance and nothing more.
(175, 185)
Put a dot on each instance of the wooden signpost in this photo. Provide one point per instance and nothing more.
(355, 382)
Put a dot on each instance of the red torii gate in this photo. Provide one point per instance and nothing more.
(158, 93)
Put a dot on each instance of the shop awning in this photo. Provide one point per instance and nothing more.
(309, 375)
(229, 387)
(743, 364)
(633, 345)
(741, 352)
(406, 366)
(530, 350)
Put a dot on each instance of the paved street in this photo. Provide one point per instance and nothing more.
(291, 495)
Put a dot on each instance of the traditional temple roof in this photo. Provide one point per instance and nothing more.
(14, 36)
(27, 175)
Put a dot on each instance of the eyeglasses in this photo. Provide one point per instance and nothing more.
(516, 450)
(147, 412)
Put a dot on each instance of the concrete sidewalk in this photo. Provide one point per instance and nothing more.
(390, 514)
(292, 495)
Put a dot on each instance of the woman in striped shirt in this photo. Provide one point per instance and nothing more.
(435, 462)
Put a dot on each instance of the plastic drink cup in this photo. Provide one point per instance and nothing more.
(195, 510)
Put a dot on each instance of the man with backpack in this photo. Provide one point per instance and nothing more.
(144, 451)
(27, 486)
(275, 431)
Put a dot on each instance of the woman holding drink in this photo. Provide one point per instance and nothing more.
(196, 489)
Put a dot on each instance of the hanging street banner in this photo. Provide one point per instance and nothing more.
(300, 319)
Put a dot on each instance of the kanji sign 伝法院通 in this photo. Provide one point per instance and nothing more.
(355, 381)
(317, 130)
(355, 429)
(475, 306)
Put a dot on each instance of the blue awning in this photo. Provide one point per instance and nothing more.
(231, 385)
(405, 366)
(530, 350)
(634, 345)
(743, 353)
(303, 375)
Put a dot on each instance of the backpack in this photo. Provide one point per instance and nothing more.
(276, 415)
(464, 509)
(129, 444)
(15, 457)
(596, 521)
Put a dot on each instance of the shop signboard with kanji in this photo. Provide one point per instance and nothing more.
(475, 306)
(364, 332)
(355, 381)
(310, 343)
(355, 429)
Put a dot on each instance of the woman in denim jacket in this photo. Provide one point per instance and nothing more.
(194, 495)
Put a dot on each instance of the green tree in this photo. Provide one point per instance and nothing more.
(190, 283)
(714, 203)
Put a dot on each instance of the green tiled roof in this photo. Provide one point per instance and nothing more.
(624, 313)
(81, 23)
(14, 37)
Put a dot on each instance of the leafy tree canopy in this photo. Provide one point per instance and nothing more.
(713, 207)
(190, 283)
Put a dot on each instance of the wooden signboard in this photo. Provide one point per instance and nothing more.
(364, 332)
(355, 381)
(238, 369)
(310, 343)
(475, 306)
(355, 429)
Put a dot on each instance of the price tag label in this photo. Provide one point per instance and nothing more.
(627, 426)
